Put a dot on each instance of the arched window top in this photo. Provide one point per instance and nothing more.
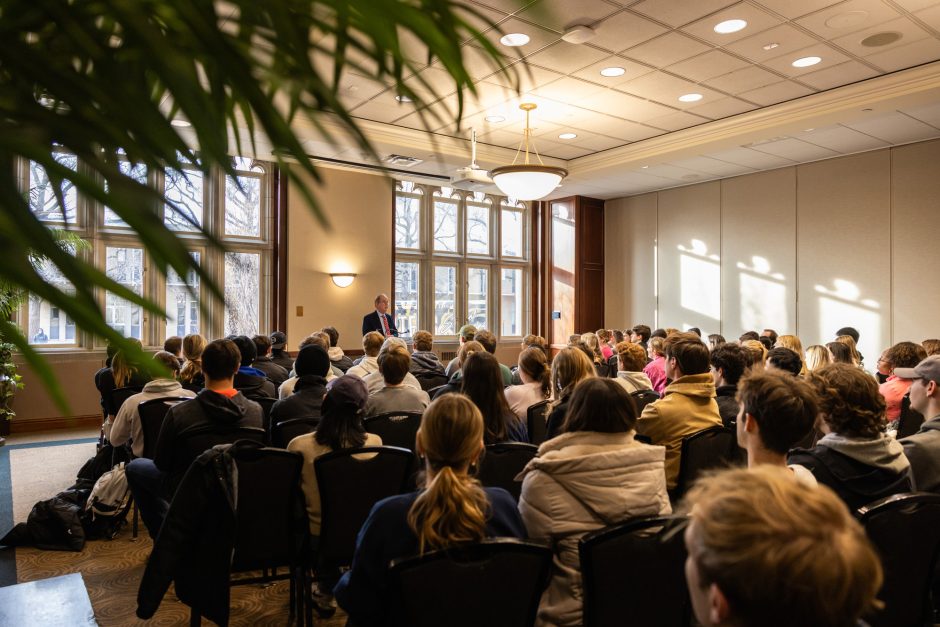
(480, 197)
(408, 187)
(447, 192)
(247, 164)
(512, 203)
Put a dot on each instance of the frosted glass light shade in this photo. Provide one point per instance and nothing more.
(527, 182)
(342, 279)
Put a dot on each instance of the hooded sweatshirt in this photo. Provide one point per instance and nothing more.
(687, 406)
(923, 451)
(364, 368)
(859, 470)
(127, 426)
(633, 381)
(578, 483)
(426, 364)
(339, 359)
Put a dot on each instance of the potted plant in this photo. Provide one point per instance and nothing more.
(10, 382)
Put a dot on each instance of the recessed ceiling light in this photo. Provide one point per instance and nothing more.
(730, 26)
(494, 118)
(881, 39)
(180, 123)
(613, 71)
(771, 45)
(514, 39)
(690, 98)
(644, 167)
(806, 61)
(567, 136)
(402, 98)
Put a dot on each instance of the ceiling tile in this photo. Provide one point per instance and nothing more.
(895, 127)
(712, 166)
(561, 151)
(478, 15)
(842, 74)
(538, 37)
(931, 17)
(383, 108)
(852, 16)
(778, 92)
(709, 65)
(478, 63)
(722, 108)
(560, 14)
(569, 89)
(355, 87)
(610, 126)
(676, 121)
(794, 149)
(434, 79)
(666, 50)
(668, 171)
(751, 158)
(786, 37)
(795, 8)
(841, 139)
(927, 113)
(908, 30)
(565, 57)
(529, 77)
(666, 89)
(907, 56)
(678, 13)
(757, 21)
(631, 69)
(743, 80)
(624, 30)
(917, 5)
(784, 63)
(641, 110)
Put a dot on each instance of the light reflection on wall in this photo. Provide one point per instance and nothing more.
(700, 281)
(763, 297)
(842, 306)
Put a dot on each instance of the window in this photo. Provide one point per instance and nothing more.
(460, 258)
(237, 211)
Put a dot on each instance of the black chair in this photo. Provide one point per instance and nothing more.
(645, 439)
(118, 395)
(266, 405)
(193, 442)
(494, 582)
(613, 365)
(905, 529)
(910, 420)
(536, 417)
(283, 432)
(642, 398)
(706, 449)
(636, 569)
(501, 462)
(397, 428)
(430, 381)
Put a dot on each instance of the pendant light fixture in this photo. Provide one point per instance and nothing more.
(527, 181)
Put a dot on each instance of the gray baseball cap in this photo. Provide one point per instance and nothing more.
(928, 369)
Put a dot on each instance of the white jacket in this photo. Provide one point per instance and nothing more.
(578, 483)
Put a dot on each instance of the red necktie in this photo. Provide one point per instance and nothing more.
(384, 324)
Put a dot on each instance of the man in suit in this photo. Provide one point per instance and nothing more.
(380, 320)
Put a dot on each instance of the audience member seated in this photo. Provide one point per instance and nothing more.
(455, 382)
(817, 356)
(126, 427)
(488, 341)
(105, 377)
(794, 344)
(279, 353)
(631, 359)
(124, 373)
(728, 362)
(756, 354)
(715, 340)
(923, 448)
(536, 382)
(770, 334)
(855, 457)
(482, 383)
(903, 355)
(603, 339)
(315, 339)
(263, 361)
(597, 358)
(375, 382)
(688, 403)
(850, 341)
(931, 346)
(570, 366)
(641, 334)
(748, 335)
(452, 509)
(784, 360)
(191, 372)
(371, 345)
(839, 353)
(530, 341)
(466, 334)
(153, 482)
(173, 345)
(337, 358)
(592, 475)
(656, 368)
(305, 401)
(251, 382)
(766, 551)
(395, 395)
(340, 428)
(777, 411)
(767, 343)
(424, 361)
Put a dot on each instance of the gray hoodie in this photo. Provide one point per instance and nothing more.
(633, 381)
(883, 452)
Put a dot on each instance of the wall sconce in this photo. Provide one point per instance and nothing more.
(342, 279)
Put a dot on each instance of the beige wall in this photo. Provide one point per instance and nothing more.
(850, 241)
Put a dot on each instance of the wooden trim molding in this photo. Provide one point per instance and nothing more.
(49, 424)
(280, 250)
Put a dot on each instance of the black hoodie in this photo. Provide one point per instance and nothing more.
(305, 402)
(208, 408)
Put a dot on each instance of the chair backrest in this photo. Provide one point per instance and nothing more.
(193, 442)
(430, 381)
(642, 398)
(536, 417)
(266, 405)
(910, 420)
(397, 428)
(613, 365)
(502, 462)
(706, 449)
(283, 432)
(151, 414)
(119, 395)
(494, 582)
(351, 481)
(636, 569)
(270, 518)
(905, 529)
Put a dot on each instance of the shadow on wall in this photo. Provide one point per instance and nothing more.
(763, 296)
(842, 306)
(699, 285)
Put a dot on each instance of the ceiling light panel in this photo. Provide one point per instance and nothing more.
(538, 37)
(632, 70)
(828, 56)
(690, 97)
(567, 136)
(757, 21)
(803, 62)
(665, 88)
(730, 26)
(514, 40)
(612, 72)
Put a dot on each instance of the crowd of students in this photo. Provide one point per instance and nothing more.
(817, 428)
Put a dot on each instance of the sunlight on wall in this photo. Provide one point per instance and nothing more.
(842, 306)
(700, 280)
(763, 296)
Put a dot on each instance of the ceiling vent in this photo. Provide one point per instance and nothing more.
(401, 161)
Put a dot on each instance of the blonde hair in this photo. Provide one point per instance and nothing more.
(782, 553)
(931, 346)
(670, 330)
(122, 368)
(371, 343)
(193, 345)
(817, 356)
(849, 341)
(467, 349)
(656, 346)
(794, 344)
(590, 339)
(755, 351)
(453, 506)
(570, 367)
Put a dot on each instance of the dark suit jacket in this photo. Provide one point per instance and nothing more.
(371, 322)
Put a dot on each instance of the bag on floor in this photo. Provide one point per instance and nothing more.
(107, 505)
(103, 461)
(52, 525)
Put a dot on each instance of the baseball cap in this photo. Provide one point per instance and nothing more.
(347, 390)
(467, 331)
(278, 340)
(928, 369)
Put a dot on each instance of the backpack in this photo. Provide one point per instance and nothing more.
(107, 505)
(642, 398)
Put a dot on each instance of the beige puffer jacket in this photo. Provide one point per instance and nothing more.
(581, 482)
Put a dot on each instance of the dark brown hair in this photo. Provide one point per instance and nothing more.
(784, 407)
(905, 355)
(600, 405)
(262, 344)
(394, 365)
(849, 400)
(173, 345)
(220, 359)
(532, 361)
(690, 353)
(482, 381)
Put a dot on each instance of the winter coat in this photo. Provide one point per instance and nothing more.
(305, 402)
(687, 406)
(275, 373)
(364, 368)
(254, 385)
(580, 482)
(339, 359)
(126, 425)
(923, 451)
(282, 359)
(426, 364)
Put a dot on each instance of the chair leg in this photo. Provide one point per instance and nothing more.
(195, 618)
(136, 516)
(293, 589)
(307, 582)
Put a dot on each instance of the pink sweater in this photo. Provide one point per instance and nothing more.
(656, 371)
(894, 390)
